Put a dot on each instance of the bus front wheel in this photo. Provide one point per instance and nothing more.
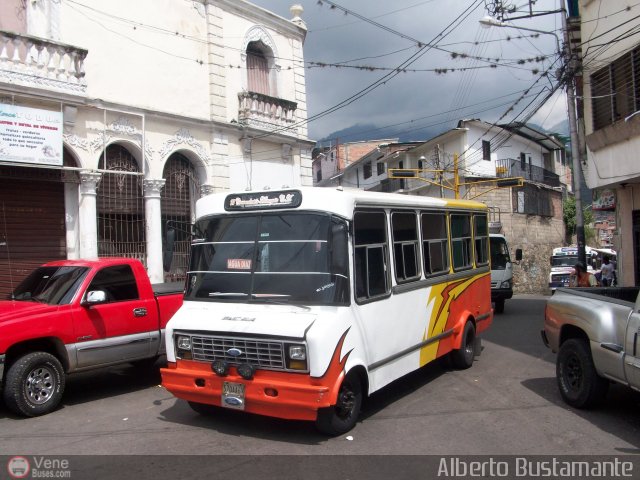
(342, 417)
(462, 358)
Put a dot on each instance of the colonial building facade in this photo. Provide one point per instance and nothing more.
(148, 106)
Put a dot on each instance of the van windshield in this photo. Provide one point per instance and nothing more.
(270, 258)
(499, 253)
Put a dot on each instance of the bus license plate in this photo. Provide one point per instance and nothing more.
(233, 395)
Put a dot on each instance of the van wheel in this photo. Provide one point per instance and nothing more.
(579, 383)
(342, 417)
(34, 384)
(462, 358)
(499, 306)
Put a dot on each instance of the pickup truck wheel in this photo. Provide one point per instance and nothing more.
(579, 383)
(34, 384)
(499, 306)
(342, 417)
(463, 357)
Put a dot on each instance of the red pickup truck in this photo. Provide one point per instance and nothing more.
(75, 315)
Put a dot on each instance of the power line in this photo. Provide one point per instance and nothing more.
(381, 81)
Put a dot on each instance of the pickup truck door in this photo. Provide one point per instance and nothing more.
(124, 327)
(632, 347)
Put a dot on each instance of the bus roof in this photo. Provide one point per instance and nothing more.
(340, 201)
(573, 250)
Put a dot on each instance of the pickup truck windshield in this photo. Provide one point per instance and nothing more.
(52, 285)
(270, 258)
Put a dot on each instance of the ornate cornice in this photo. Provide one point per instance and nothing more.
(73, 140)
(27, 80)
(183, 137)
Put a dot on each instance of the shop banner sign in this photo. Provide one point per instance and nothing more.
(30, 135)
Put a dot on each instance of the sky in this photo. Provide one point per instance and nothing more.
(451, 67)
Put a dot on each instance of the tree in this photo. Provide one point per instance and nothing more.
(569, 217)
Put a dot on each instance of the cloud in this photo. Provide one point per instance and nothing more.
(438, 87)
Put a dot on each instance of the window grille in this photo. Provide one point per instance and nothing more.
(120, 206)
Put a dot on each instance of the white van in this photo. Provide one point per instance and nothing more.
(501, 271)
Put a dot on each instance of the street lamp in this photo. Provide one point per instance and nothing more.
(488, 22)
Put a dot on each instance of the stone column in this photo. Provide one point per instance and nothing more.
(88, 214)
(153, 229)
(71, 210)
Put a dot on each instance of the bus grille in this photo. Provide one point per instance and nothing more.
(264, 354)
(561, 278)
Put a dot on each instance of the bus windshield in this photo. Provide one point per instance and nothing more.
(270, 258)
(564, 260)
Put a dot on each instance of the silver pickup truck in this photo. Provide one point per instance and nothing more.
(595, 332)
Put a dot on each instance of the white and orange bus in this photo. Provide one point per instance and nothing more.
(299, 303)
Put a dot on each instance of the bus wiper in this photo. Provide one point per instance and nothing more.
(275, 299)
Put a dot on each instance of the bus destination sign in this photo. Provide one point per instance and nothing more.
(263, 200)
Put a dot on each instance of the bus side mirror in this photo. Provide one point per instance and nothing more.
(339, 253)
(519, 254)
(169, 245)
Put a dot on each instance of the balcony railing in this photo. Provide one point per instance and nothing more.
(267, 113)
(35, 62)
(509, 167)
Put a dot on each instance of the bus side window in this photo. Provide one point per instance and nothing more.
(405, 246)
(481, 237)
(435, 243)
(370, 253)
(461, 241)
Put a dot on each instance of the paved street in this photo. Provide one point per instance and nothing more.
(507, 403)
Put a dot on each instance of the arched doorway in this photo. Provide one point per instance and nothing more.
(178, 197)
(120, 206)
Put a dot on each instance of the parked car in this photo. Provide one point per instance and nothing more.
(595, 332)
(76, 315)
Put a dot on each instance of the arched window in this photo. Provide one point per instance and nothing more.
(120, 204)
(258, 68)
(178, 196)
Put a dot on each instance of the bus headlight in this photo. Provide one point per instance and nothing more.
(183, 347)
(296, 356)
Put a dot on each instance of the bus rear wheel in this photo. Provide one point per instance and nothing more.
(342, 417)
(462, 358)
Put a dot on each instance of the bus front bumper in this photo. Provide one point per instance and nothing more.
(286, 395)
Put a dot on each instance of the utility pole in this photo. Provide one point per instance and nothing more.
(575, 147)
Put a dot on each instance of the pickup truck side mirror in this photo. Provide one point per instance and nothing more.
(518, 254)
(95, 296)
